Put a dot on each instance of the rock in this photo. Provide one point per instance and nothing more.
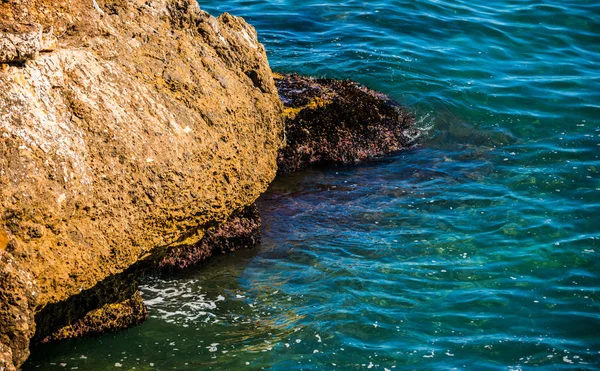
(49, 41)
(19, 298)
(145, 128)
(115, 304)
(110, 317)
(6, 363)
(452, 131)
(19, 42)
(112, 304)
(242, 230)
(3, 240)
(338, 122)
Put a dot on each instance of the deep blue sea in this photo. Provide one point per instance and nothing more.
(479, 249)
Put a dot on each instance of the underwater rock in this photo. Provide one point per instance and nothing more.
(451, 133)
(338, 122)
(146, 124)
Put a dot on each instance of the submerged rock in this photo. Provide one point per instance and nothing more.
(338, 122)
(143, 126)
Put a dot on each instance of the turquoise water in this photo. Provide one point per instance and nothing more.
(477, 250)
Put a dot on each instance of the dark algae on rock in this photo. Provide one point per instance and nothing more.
(242, 230)
(332, 121)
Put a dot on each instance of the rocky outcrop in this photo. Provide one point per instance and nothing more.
(127, 128)
(338, 122)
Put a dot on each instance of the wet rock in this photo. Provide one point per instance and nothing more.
(242, 230)
(19, 42)
(115, 303)
(108, 318)
(112, 304)
(338, 122)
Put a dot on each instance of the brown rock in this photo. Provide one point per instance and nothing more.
(115, 304)
(242, 230)
(3, 240)
(19, 42)
(110, 317)
(149, 124)
(49, 41)
(6, 363)
(80, 314)
(18, 296)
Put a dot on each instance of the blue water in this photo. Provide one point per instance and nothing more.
(477, 250)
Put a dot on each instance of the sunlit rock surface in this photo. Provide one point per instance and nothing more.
(126, 128)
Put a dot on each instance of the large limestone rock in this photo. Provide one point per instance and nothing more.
(130, 128)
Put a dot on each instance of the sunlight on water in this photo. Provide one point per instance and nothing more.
(477, 250)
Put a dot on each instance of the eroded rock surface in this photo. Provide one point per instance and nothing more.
(133, 128)
(19, 42)
(338, 122)
(242, 230)
(109, 317)
(18, 298)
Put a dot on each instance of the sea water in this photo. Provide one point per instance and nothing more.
(479, 249)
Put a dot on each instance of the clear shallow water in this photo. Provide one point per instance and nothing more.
(478, 250)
